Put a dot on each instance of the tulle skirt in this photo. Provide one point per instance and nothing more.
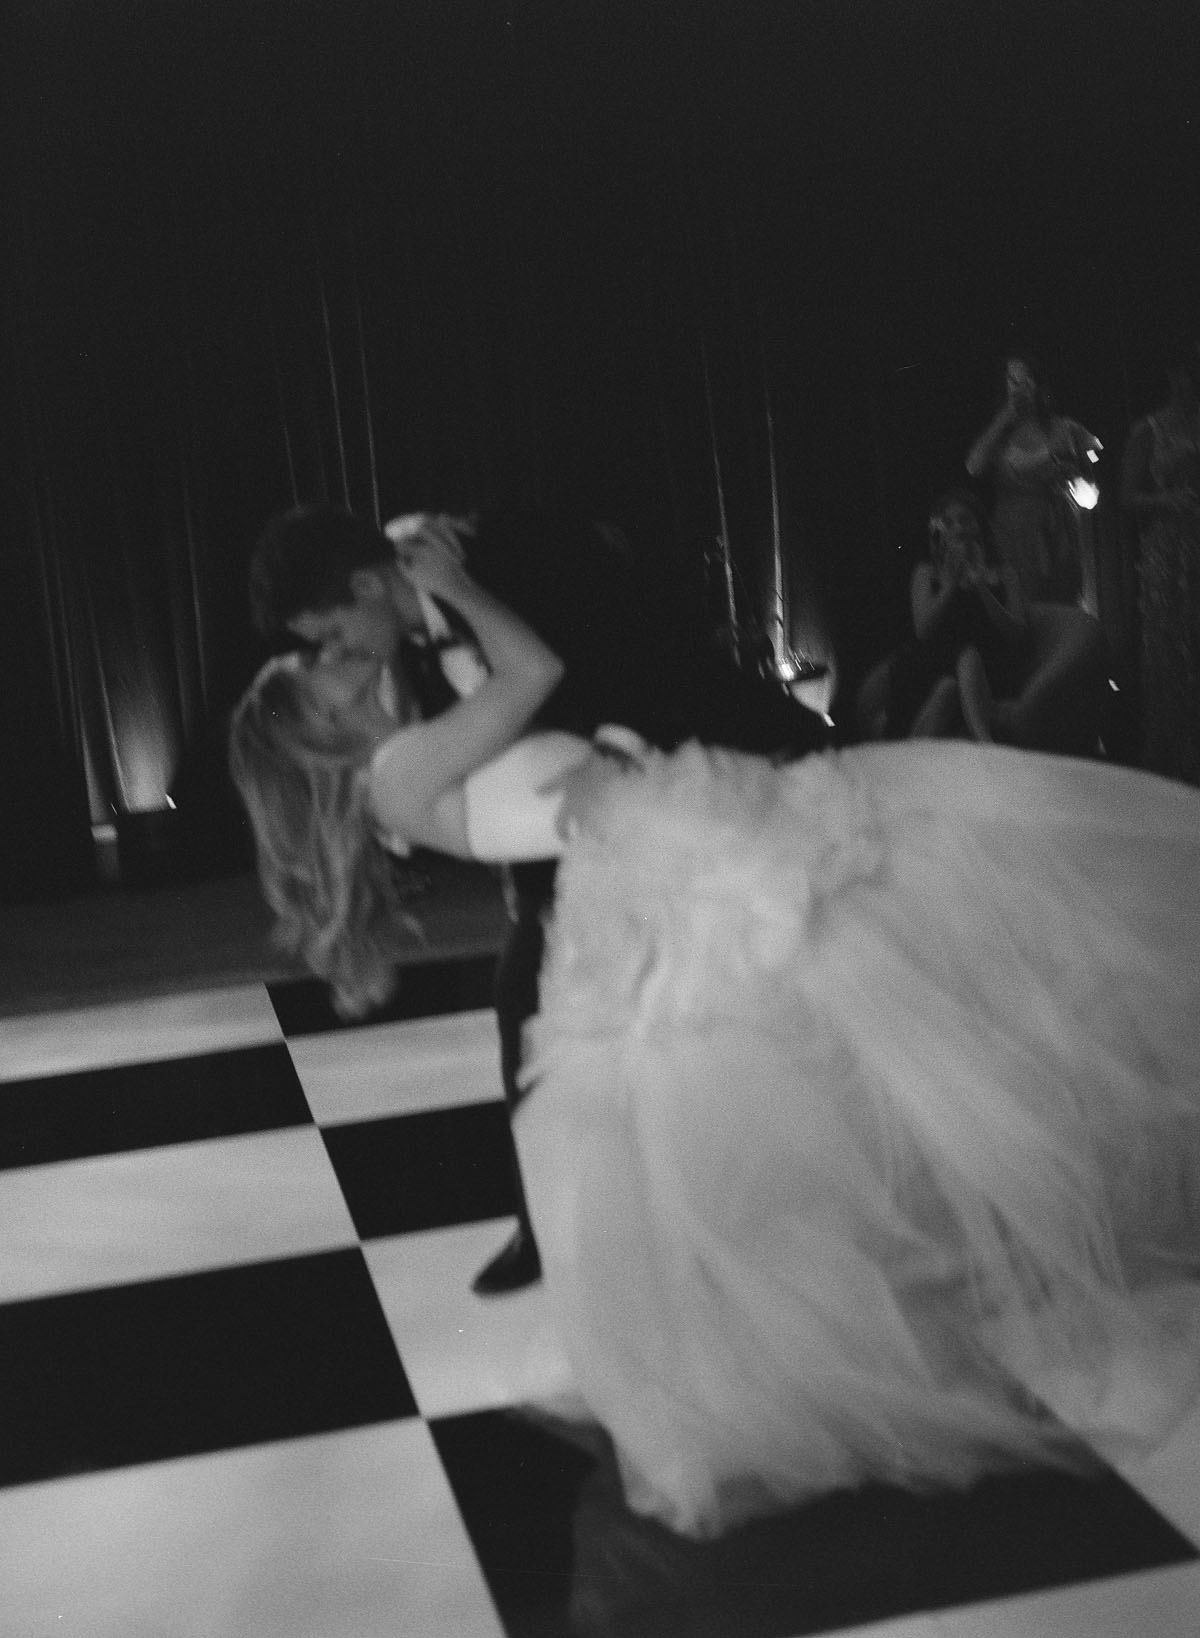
(865, 1119)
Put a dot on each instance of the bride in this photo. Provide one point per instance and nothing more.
(865, 1111)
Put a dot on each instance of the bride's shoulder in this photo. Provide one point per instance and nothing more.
(410, 800)
(397, 777)
(385, 781)
(392, 752)
(393, 762)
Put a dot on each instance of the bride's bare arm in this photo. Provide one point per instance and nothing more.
(429, 760)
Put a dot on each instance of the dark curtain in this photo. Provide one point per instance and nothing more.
(720, 279)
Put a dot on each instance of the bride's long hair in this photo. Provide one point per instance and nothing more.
(324, 873)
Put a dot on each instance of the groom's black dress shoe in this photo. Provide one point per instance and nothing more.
(517, 1264)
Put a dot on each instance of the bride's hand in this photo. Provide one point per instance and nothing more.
(434, 560)
(411, 527)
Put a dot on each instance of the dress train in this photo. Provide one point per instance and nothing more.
(866, 1116)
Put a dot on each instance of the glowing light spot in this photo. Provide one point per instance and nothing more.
(1084, 493)
(144, 745)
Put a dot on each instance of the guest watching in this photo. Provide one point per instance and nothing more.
(968, 633)
(1160, 495)
(1033, 456)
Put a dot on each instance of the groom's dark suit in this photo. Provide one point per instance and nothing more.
(628, 656)
(625, 662)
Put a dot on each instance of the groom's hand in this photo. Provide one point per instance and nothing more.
(587, 782)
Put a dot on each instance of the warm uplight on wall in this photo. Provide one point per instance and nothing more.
(816, 693)
(145, 753)
(804, 660)
(810, 682)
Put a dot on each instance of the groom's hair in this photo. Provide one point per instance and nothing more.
(304, 559)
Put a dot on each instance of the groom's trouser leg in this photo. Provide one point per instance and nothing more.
(530, 894)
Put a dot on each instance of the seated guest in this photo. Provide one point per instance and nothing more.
(982, 661)
(969, 625)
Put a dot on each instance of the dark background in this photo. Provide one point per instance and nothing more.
(439, 253)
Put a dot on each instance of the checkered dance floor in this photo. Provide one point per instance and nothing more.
(247, 1392)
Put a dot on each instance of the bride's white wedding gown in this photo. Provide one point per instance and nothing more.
(865, 1094)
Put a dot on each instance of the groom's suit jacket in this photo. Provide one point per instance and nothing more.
(628, 657)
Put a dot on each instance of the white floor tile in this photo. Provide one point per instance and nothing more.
(398, 1069)
(1170, 1479)
(1156, 1604)
(153, 1212)
(347, 1535)
(169, 1026)
(462, 1352)
(908, 1626)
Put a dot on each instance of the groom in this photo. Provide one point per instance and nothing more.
(334, 581)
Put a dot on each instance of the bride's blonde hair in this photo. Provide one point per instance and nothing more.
(323, 871)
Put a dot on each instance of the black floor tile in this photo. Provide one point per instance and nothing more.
(303, 1006)
(429, 1170)
(518, 1487)
(138, 1106)
(563, 1554)
(204, 1362)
